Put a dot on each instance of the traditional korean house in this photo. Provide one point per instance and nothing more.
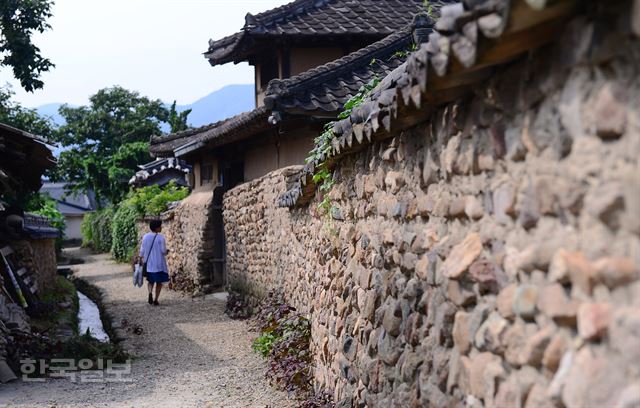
(25, 239)
(27, 250)
(25, 158)
(285, 45)
(310, 58)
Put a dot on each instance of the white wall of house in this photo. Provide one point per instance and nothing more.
(73, 226)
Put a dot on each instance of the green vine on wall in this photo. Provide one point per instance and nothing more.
(428, 7)
(324, 177)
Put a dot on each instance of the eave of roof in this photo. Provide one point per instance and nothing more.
(158, 167)
(344, 79)
(25, 158)
(315, 19)
(230, 130)
(466, 41)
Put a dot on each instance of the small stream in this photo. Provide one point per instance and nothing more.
(89, 318)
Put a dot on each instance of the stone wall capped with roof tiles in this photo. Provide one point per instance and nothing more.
(487, 257)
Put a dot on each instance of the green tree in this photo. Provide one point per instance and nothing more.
(178, 120)
(19, 19)
(107, 140)
(13, 114)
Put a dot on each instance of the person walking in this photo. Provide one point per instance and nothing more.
(153, 253)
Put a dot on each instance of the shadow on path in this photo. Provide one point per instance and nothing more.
(190, 354)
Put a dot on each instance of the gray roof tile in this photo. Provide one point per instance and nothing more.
(313, 18)
(224, 131)
(407, 84)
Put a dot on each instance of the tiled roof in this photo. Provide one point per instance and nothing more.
(316, 18)
(320, 91)
(328, 87)
(215, 134)
(23, 159)
(69, 202)
(39, 227)
(325, 89)
(469, 36)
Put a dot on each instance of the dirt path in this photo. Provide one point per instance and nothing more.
(190, 354)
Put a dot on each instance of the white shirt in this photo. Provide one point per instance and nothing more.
(155, 256)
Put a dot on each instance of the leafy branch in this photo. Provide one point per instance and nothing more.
(428, 8)
(323, 177)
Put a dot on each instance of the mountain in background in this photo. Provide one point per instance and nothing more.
(51, 110)
(221, 104)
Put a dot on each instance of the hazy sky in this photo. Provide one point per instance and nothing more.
(152, 46)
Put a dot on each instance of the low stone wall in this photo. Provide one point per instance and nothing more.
(38, 256)
(489, 256)
(189, 241)
(44, 256)
(268, 248)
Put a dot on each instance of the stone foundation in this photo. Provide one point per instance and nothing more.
(489, 256)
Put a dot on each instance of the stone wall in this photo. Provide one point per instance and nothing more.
(44, 256)
(189, 238)
(489, 256)
(269, 248)
(38, 256)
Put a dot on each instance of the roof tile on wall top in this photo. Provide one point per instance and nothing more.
(460, 29)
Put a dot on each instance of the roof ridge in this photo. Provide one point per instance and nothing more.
(299, 7)
(200, 129)
(184, 133)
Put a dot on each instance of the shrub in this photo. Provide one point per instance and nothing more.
(154, 200)
(264, 344)
(102, 232)
(114, 228)
(290, 358)
(124, 232)
(96, 230)
(237, 306)
(285, 338)
(86, 229)
(320, 400)
(272, 311)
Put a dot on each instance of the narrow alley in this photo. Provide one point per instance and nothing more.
(189, 354)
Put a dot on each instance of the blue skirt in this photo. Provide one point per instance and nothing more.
(157, 277)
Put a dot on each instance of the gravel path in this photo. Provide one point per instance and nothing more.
(190, 354)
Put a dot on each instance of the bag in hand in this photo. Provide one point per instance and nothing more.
(137, 276)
